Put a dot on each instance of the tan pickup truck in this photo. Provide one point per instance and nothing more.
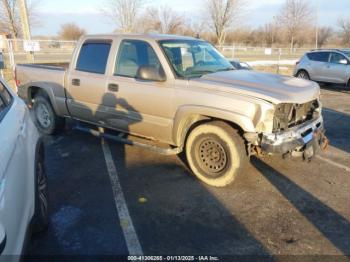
(182, 92)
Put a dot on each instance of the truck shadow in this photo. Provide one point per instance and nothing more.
(335, 87)
(331, 224)
(181, 216)
(337, 128)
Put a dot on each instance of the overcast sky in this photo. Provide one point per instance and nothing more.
(86, 13)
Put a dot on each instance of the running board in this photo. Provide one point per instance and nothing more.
(159, 150)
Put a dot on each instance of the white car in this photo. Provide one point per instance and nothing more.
(23, 183)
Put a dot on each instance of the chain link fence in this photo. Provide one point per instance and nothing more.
(18, 51)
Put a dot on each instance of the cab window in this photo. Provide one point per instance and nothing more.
(336, 58)
(319, 56)
(93, 57)
(132, 55)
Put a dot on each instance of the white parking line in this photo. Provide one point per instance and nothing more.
(334, 163)
(127, 226)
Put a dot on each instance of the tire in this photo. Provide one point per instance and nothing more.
(303, 74)
(46, 119)
(216, 153)
(41, 213)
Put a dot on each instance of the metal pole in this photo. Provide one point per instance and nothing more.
(25, 25)
(317, 17)
(24, 19)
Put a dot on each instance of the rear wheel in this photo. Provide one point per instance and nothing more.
(41, 214)
(303, 74)
(46, 119)
(216, 153)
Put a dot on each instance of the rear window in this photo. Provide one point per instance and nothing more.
(319, 56)
(93, 57)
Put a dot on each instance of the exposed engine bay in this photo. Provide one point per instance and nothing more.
(290, 115)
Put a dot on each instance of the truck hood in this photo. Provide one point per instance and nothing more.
(270, 87)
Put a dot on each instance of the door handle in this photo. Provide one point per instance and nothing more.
(76, 82)
(23, 129)
(113, 87)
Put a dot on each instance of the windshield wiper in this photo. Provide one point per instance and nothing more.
(227, 69)
(203, 72)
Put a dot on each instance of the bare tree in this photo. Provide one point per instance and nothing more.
(222, 14)
(195, 28)
(71, 31)
(123, 13)
(344, 25)
(270, 33)
(10, 17)
(324, 34)
(163, 20)
(294, 16)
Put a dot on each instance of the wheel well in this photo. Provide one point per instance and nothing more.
(208, 120)
(32, 92)
(300, 70)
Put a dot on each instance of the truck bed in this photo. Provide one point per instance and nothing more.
(31, 73)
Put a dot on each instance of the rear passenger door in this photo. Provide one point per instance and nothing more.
(87, 80)
(336, 72)
(319, 62)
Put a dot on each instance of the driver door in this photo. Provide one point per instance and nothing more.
(336, 72)
(140, 107)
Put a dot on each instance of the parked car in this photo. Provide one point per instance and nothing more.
(54, 44)
(329, 66)
(239, 65)
(182, 92)
(23, 186)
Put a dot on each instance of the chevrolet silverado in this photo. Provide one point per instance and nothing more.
(182, 92)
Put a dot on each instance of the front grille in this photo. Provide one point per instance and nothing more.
(291, 115)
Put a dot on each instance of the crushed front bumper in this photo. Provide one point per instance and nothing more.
(304, 140)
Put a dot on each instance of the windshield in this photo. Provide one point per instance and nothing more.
(194, 58)
(347, 53)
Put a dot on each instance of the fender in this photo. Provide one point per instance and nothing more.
(188, 115)
(57, 100)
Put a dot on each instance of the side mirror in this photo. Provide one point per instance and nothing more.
(2, 238)
(151, 73)
(2, 63)
(343, 61)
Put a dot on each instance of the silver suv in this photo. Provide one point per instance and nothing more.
(330, 66)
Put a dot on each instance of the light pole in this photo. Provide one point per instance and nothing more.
(23, 10)
(24, 19)
(317, 17)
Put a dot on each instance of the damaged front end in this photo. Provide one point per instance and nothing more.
(298, 131)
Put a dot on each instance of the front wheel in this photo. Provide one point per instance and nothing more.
(303, 75)
(46, 119)
(216, 153)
